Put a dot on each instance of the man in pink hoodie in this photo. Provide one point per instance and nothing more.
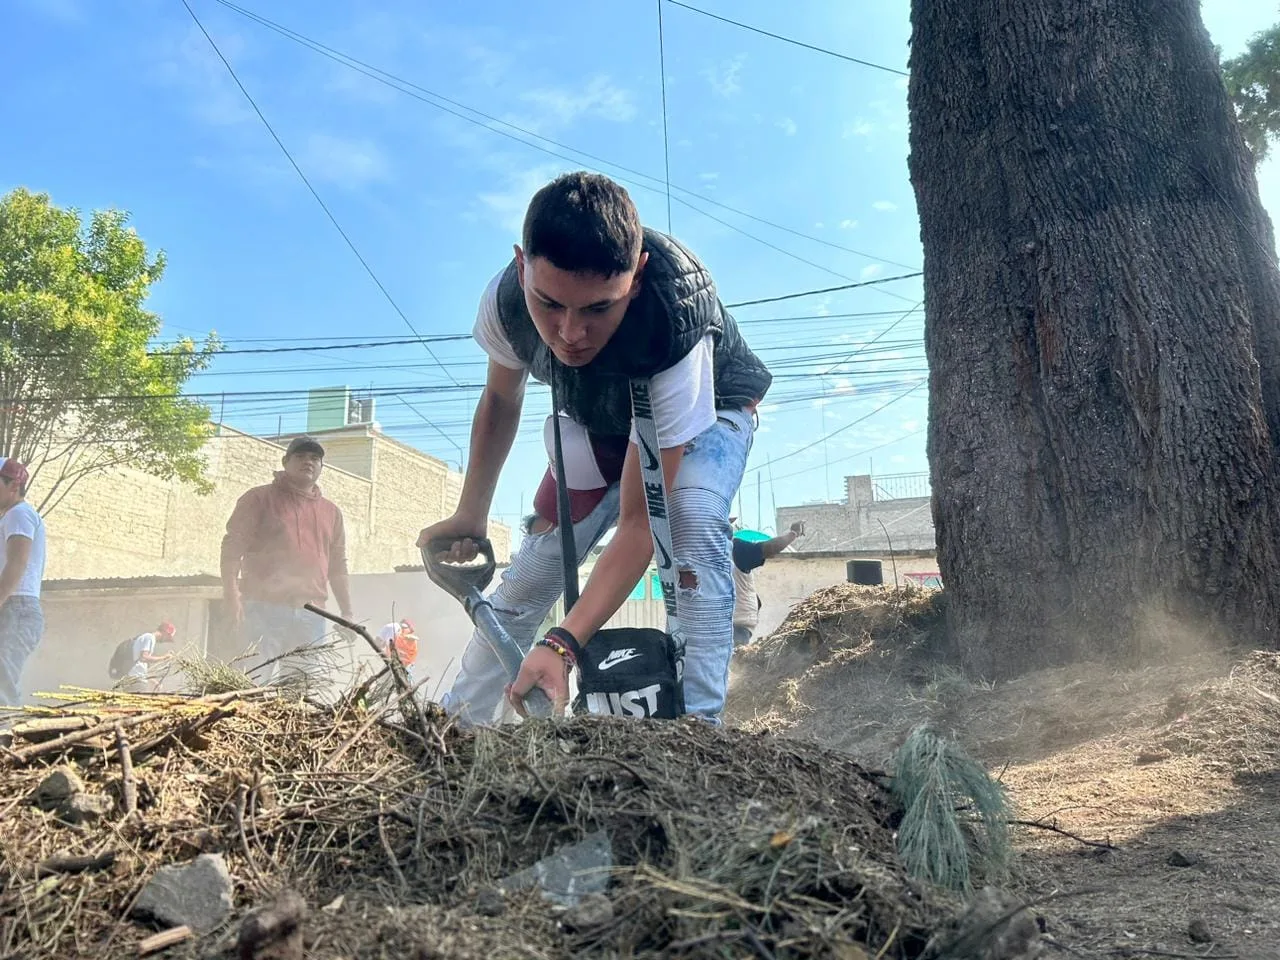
(285, 546)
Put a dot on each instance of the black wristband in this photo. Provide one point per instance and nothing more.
(568, 639)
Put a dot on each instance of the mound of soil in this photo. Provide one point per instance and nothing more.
(1146, 794)
(398, 835)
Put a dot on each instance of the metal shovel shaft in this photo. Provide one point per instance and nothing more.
(507, 651)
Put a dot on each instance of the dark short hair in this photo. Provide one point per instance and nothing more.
(585, 223)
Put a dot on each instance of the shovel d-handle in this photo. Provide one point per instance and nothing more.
(454, 578)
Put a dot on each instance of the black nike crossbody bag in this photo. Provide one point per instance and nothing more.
(628, 671)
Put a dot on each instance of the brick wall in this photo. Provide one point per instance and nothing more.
(124, 523)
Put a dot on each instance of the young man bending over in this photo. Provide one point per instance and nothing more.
(594, 299)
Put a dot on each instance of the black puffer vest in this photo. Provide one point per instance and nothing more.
(677, 307)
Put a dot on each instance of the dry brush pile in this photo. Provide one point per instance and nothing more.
(397, 835)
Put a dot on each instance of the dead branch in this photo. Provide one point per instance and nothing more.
(128, 782)
(65, 863)
(1040, 825)
(163, 940)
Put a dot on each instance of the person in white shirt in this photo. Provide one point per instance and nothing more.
(593, 300)
(21, 618)
(144, 654)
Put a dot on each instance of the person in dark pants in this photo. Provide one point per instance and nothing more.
(21, 618)
(747, 556)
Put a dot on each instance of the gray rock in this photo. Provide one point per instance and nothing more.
(197, 893)
(1179, 858)
(570, 873)
(85, 808)
(594, 911)
(60, 784)
(490, 903)
(1198, 931)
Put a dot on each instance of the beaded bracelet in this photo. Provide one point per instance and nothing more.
(568, 639)
(561, 649)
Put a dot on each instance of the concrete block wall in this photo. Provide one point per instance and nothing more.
(125, 523)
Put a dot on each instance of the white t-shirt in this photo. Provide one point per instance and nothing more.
(684, 399)
(21, 520)
(142, 643)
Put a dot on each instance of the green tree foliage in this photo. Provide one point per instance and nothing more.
(82, 386)
(1253, 81)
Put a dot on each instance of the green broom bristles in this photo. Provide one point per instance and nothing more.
(954, 816)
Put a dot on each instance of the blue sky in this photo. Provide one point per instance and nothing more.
(126, 105)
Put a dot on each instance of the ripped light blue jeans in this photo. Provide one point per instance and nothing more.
(709, 476)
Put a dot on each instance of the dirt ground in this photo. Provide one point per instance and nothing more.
(1168, 775)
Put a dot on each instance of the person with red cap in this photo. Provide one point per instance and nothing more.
(399, 637)
(144, 654)
(21, 618)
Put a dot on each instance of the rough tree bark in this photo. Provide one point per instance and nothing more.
(1103, 331)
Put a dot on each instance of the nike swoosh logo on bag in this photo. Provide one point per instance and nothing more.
(617, 657)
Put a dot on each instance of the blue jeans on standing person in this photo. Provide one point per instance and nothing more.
(698, 504)
(21, 626)
(277, 628)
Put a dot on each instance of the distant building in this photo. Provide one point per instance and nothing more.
(127, 549)
(875, 512)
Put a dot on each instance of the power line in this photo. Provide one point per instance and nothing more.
(429, 97)
(848, 426)
(814, 293)
(853, 456)
(666, 145)
(323, 206)
(864, 347)
(798, 43)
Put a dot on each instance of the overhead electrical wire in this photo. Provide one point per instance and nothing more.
(798, 43)
(429, 97)
(312, 190)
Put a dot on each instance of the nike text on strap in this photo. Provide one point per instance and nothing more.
(655, 496)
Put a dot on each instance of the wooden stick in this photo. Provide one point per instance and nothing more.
(392, 661)
(1038, 825)
(71, 739)
(163, 940)
(80, 736)
(128, 781)
(64, 863)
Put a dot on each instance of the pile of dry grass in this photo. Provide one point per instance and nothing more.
(848, 661)
(724, 843)
(1232, 722)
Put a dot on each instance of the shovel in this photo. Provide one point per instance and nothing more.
(465, 583)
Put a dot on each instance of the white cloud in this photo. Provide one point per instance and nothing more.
(910, 425)
(871, 271)
(725, 78)
(787, 126)
(896, 458)
(707, 177)
(190, 64)
(507, 205)
(819, 225)
(599, 98)
(884, 206)
(859, 128)
(848, 224)
(350, 163)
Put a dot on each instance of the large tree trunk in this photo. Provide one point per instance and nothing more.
(1102, 327)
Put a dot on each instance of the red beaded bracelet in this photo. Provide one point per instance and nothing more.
(561, 648)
